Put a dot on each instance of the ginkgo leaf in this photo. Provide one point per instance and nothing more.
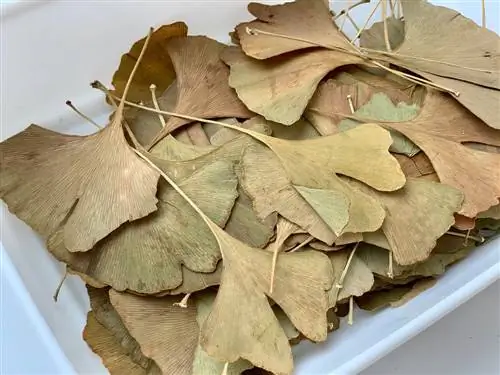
(280, 88)
(224, 135)
(169, 148)
(167, 334)
(474, 59)
(439, 129)
(242, 324)
(105, 345)
(107, 316)
(200, 74)
(75, 184)
(302, 19)
(417, 215)
(156, 67)
(477, 99)
(381, 108)
(298, 131)
(146, 256)
(272, 186)
(203, 363)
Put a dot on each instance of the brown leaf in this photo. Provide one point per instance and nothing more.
(242, 323)
(170, 336)
(195, 281)
(201, 74)
(475, 57)
(476, 98)
(417, 215)
(280, 88)
(303, 19)
(105, 345)
(107, 316)
(76, 183)
(156, 67)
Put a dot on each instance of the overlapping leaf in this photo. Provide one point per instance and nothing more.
(146, 256)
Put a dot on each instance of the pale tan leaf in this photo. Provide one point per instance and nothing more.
(417, 215)
(167, 334)
(52, 180)
(304, 19)
(242, 324)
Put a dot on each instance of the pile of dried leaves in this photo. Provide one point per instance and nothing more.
(337, 173)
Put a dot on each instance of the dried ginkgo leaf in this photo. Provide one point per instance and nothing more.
(167, 334)
(280, 88)
(107, 316)
(417, 166)
(381, 108)
(417, 215)
(300, 130)
(476, 98)
(475, 57)
(203, 363)
(242, 324)
(146, 256)
(493, 213)
(106, 346)
(439, 129)
(301, 19)
(156, 67)
(201, 74)
(75, 184)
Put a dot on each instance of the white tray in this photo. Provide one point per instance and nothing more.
(51, 50)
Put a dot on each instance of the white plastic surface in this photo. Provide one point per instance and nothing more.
(50, 51)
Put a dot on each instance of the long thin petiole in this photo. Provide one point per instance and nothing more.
(58, 289)
(386, 30)
(350, 316)
(479, 239)
(81, 114)
(183, 302)
(483, 12)
(152, 88)
(302, 244)
(350, 7)
(367, 21)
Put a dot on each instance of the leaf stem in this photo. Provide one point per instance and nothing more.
(367, 21)
(390, 270)
(225, 369)
(152, 88)
(386, 30)
(340, 283)
(81, 114)
(350, 316)
(59, 286)
(302, 244)
(183, 303)
(479, 239)
(394, 54)
(483, 13)
(349, 8)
